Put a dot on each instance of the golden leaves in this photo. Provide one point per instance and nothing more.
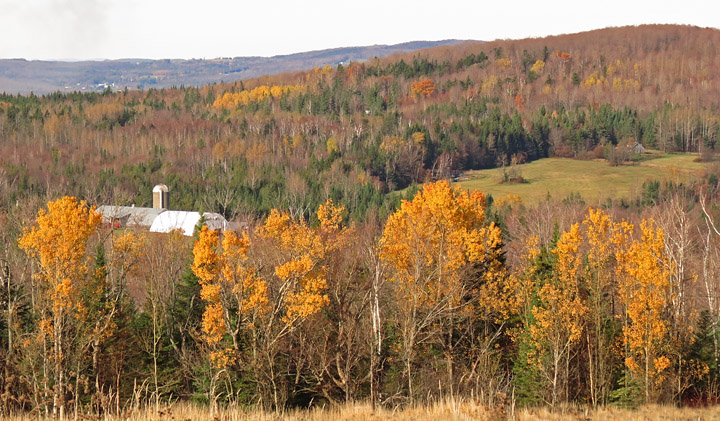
(213, 324)
(330, 216)
(430, 241)
(643, 274)
(592, 260)
(238, 295)
(206, 262)
(559, 315)
(301, 252)
(232, 100)
(332, 146)
(59, 239)
(538, 66)
(225, 279)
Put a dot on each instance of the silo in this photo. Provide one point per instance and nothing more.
(161, 197)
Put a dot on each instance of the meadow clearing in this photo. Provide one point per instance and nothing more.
(595, 181)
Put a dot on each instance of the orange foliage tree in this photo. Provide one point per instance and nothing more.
(600, 284)
(264, 287)
(644, 290)
(431, 245)
(559, 314)
(232, 293)
(58, 241)
(423, 87)
(294, 257)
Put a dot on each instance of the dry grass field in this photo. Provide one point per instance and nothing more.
(450, 409)
(595, 181)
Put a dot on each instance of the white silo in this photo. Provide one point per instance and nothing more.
(161, 197)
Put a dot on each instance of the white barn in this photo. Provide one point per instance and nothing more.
(159, 219)
(186, 221)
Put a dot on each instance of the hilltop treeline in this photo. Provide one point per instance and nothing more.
(356, 132)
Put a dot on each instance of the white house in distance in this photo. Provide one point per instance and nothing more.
(159, 218)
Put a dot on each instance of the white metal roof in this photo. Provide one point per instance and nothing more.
(135, 216)
(186, 221)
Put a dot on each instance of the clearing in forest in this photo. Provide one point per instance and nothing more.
(595, 181)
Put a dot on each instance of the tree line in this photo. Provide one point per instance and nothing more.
(452, 295)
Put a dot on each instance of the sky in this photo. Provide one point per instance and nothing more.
(112, 29)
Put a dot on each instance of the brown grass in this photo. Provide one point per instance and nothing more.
(449, 409)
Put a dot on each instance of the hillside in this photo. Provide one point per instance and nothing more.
(41, 77)
(356, 132)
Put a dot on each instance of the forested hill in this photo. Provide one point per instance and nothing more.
(40, 77)
(355, 132)
(336, 294)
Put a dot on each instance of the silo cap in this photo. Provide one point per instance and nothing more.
(160, 188)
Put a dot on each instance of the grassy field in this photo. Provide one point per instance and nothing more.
(595, 181)
(450, 409)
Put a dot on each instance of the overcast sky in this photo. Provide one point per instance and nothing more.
(99, 29)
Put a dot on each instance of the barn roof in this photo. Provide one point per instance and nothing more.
(186, 221)
(130, 215)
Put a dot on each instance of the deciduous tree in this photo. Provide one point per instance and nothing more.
(430, 245)
(58, 241)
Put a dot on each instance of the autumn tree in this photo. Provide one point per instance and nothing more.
(293, 257)
(430, 245)
(230, 292)
(58, 241)
(423, 87)
(559, 314)
(261, 289)
(599, 282)
(333, 345)
(644, 290)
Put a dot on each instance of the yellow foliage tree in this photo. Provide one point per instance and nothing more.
(233, 294)
(233, 100)
(600, 284)
(643, 273)
(423, 87)
(229, 287)
(431, 244)
(58, 240)
(294, 257)
(264, 286)
(332, 146)
(538, 66)
(560, 312)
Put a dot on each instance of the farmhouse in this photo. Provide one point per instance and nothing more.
(636, 148)
(159, 218)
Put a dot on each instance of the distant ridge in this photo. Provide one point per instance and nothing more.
(19, 76)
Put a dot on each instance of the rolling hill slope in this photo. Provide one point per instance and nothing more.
(22, 76)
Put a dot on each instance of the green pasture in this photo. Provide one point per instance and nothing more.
(595, 181)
